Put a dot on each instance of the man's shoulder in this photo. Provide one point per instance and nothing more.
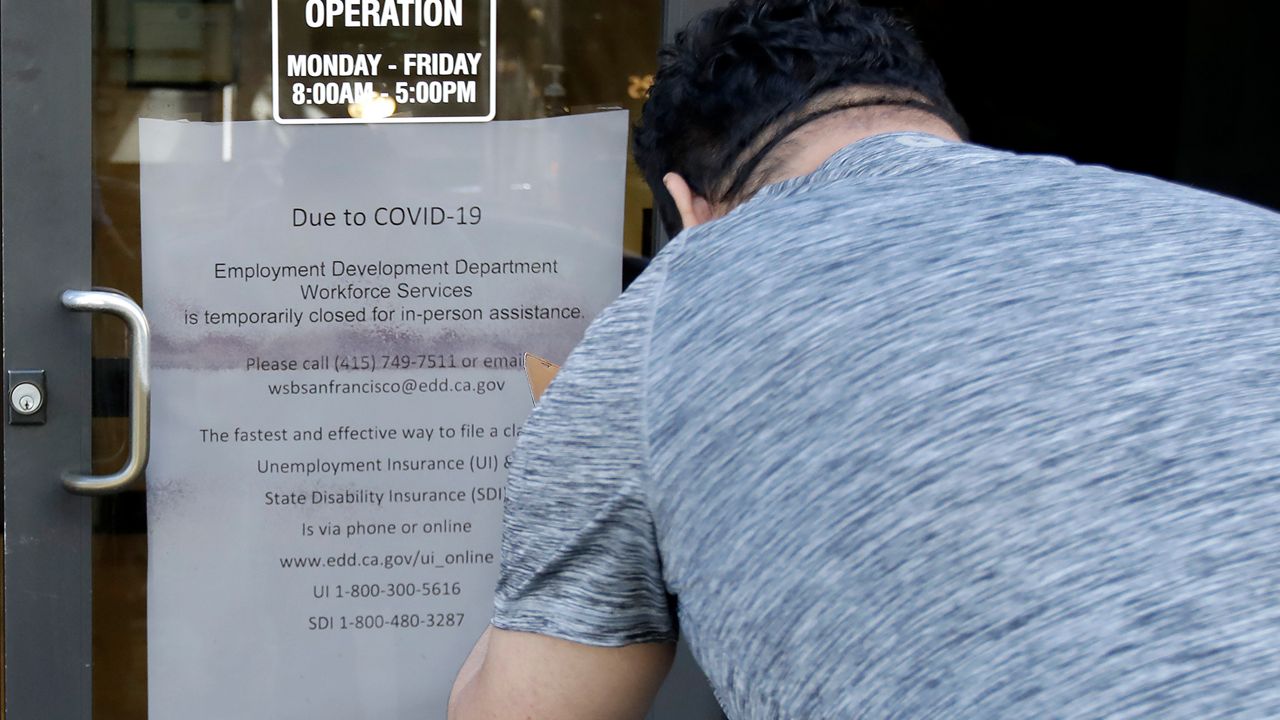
(960, 182)
(628, 318)
(615, 345)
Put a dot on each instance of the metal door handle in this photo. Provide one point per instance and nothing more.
(119, 304)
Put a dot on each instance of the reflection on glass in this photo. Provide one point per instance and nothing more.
(211, 61)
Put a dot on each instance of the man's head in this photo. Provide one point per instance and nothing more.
(737, 85)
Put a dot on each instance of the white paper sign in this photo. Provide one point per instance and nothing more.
(339, 319)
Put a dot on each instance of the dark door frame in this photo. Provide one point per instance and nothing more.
(678, 13)
(46, 208)
(675, 15)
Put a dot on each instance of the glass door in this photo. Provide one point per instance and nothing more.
(77, 119)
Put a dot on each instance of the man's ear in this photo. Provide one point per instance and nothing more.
(694, 209)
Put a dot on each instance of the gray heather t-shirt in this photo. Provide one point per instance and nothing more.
(935, 432)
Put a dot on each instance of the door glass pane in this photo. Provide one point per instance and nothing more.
(211, 61)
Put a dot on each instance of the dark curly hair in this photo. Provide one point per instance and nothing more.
(750, 72)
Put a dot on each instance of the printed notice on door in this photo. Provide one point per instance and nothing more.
(340, 319)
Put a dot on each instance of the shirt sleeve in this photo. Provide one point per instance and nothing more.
(580, 557)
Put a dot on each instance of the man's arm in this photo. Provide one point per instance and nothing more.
(522, 676)
(580, 554)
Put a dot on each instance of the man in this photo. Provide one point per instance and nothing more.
(899, 426)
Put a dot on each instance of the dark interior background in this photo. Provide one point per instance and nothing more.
(1187, 90)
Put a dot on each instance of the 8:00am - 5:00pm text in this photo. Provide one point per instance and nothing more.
(423, 92)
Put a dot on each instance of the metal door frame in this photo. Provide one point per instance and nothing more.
(46, 245)
(675, 15)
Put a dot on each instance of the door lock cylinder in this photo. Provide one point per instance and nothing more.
(27, 397)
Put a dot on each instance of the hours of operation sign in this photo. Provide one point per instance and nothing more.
(362, 61)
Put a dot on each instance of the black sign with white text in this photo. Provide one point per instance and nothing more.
(366, 61)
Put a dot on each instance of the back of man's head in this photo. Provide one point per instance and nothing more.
(742, 77)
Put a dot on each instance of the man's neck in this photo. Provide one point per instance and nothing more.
(814, 145)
